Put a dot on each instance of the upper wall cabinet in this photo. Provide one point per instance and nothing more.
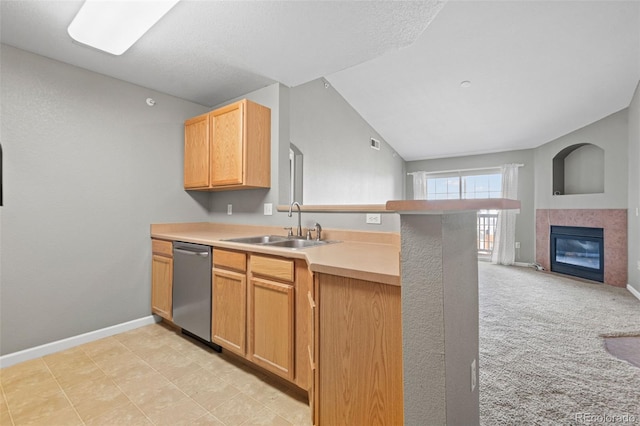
(228, 148)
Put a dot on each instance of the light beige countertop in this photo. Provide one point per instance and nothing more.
(370, 256)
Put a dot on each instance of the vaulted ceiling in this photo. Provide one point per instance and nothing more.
(536, 69)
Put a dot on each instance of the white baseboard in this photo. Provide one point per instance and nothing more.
(70, 342)
(633, 291)
(523, 264)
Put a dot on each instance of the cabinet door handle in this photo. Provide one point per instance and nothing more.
(192, 253)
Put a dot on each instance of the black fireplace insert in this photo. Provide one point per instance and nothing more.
(578, 251)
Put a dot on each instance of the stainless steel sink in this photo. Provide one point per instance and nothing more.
(295, 243)
(279, 241)
(262, 239)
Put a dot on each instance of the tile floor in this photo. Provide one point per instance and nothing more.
(152, 375)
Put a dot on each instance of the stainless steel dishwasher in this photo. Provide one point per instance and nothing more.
(192, 289)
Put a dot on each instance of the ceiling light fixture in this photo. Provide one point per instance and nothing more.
(114, 26)
(465, 84)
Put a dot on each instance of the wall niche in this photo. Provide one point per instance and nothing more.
(579, 169)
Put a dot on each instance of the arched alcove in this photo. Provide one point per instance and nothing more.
(579, 169)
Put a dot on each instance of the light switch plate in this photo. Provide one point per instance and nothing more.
(268, 209)
(229, 209)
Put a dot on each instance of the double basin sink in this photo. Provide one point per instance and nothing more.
(279, 241)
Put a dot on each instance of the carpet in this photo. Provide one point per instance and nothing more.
(542, 355)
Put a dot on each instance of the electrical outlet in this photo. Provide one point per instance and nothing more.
(373, 218)
(639, 265)
(229, 209)
(517, 244)
(474, 375)
(268, 209)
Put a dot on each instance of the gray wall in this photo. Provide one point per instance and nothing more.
(610, 134)
(525, 221)
(286, 105)
(634, 190)
(340, 167)
(87, 167)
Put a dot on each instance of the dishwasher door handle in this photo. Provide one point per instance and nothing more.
(192, 253)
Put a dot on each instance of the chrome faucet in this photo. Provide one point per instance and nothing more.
(318, 231)
(299, 229)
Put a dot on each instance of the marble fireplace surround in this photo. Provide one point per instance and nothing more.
(612, 221)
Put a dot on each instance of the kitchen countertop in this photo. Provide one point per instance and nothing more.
(370, 256)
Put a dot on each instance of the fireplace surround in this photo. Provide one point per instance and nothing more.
(614, 227)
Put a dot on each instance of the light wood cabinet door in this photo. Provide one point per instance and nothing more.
(227, 145)
(359, 352)
(271, 326)
(228, 310)
(162, 286)
(228, 148)
(196, 152)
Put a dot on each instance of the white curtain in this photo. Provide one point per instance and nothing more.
(504, 252)
(419, 185)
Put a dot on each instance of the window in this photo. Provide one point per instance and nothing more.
(464, 186)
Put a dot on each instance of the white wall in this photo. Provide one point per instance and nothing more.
(634, 190)
(610, 134)
(87, 167)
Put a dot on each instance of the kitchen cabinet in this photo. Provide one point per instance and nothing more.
(162, 278)
(229, 300)
(228, 148)
(271, 315)
(357, 352)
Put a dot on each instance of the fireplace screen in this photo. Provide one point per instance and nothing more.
(578, 251)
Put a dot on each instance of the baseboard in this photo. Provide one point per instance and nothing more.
(70, 342)
(633, 291)
(522, 264)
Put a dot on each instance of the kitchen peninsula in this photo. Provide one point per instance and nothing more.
(354, 333)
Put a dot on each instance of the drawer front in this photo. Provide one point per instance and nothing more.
(230, 259)
(280, 269)
(161, 247)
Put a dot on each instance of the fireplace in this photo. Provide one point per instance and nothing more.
(578, 251)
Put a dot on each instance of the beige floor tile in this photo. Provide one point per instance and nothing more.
(24, 373)
(293, 408)
(208, 420)
(5, 418)
(171, 363)
(237, 410)
(65, 417)
(140, 382)
(153, 399)
(183, 412)
(262, 390)
(94, 398)
(121, 364)
(70, 368)
(127, 414)
(206, 389)
(140, 342)
(19, 397)
(81, 374)
(105, 349)
(267, 417)
(65, 358)
(31, 406)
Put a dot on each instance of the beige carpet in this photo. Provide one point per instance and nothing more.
(542, 354)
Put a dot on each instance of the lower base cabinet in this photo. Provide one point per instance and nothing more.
(228, 310)
(357, 353)
(272, 326)
(259, 311)
(162, 278)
